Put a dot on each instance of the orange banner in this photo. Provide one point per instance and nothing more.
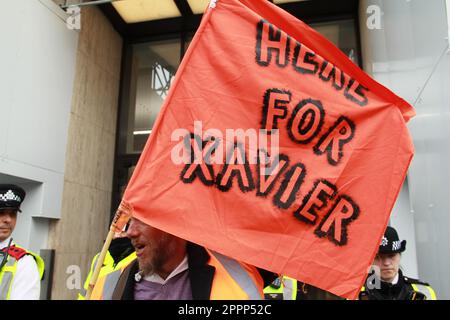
(273, 148)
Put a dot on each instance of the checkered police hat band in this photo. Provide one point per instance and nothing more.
(10, 196)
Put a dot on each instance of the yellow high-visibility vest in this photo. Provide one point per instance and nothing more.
(418, 287)
(9, 270)
(108, 267)
(232, 281)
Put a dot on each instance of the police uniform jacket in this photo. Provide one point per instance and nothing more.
(405, 289)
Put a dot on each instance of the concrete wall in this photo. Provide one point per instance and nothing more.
(87, 190)
(37, 64)
(409, 54)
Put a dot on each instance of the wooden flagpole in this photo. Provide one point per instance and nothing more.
(123, 215)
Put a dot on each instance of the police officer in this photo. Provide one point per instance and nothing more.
(388, 281)
(20, 269)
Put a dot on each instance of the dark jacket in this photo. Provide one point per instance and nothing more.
(201, 276)
(402, 290)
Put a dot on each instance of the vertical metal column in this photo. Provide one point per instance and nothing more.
(48, 255)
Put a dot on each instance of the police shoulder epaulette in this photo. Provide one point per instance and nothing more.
(415, 281)
(17, 253)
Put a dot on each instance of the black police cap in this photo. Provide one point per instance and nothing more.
(11, 196)
(390, 243)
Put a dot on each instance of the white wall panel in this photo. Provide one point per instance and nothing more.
(408, 55)
(37, 68)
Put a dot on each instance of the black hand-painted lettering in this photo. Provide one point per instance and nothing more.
(268, 174)
(316, 200)
(304, 60)
(274, 107)
(197, 166)
(306, 121)
(271, 40)
(355, 93)
(334, 224)
(332, 142)
(290, 186)
(237, 165)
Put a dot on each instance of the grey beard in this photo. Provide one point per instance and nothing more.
(162, 252)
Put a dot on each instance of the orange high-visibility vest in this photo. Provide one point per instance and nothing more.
(232, 281)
